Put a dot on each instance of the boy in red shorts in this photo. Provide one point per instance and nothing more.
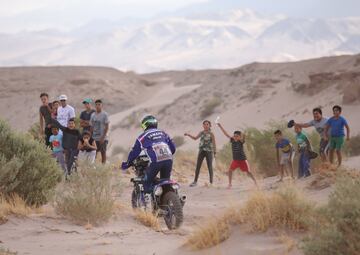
(239, 158)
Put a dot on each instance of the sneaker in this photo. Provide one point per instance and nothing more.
(193, 184)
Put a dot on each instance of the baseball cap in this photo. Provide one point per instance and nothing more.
(87, 101)
(62, 97)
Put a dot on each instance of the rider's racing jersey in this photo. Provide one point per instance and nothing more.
(155, 143)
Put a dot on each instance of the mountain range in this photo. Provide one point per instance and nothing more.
(202, 40)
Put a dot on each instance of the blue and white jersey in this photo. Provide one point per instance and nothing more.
(156, 144)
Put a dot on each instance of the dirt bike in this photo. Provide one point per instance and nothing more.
(165, 199)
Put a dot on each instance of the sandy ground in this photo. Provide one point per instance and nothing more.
(48, 233)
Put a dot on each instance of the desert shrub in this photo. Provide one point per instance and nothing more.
(213, 232)
(224, 155)
(352, 147)
(26, 167)
(178, 140)
(34, 131)
(209, 107)
(285, 207)
(13, 205)
(338, 231)
(87, 196)
(5, 251)
(147, 219)
(260, 145)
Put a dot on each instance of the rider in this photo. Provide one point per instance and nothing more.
(158, 147)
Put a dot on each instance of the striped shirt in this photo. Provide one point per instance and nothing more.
(237, 149)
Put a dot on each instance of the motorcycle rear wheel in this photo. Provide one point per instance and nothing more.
(174, 216)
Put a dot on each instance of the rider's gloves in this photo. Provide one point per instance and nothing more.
(124, 165)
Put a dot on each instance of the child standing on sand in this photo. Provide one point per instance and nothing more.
(57, 148)
(304, 148)
(337, 123)
(207, 149)
(287, 154)
(239, 158)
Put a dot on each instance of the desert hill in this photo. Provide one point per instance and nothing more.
(250, 95)
(20, 88)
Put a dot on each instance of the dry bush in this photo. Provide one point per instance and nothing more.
(87, 196)
(5, 251)
(147, 219)
(13, 205)
(210, 234)
(338, 229)
(209, 107)
(326, 175)
(285, 208)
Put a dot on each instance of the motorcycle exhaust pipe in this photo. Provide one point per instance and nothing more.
(183, 199)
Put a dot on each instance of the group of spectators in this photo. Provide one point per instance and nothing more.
(332, 138)
(58, 129)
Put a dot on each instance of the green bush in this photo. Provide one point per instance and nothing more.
(224, 155)
(260, 145)
(338, 230)
(88, 196)
(26, 167)
(209, 107)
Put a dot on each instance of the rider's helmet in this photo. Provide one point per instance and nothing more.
(149, 121)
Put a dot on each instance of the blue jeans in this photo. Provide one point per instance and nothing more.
(164, 167)
(304, 165)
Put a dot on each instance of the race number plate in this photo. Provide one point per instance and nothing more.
(162, 152)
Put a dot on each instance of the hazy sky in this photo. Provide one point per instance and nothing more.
(16, 15)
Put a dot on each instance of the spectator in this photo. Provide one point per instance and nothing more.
(86, 115)
(319, 123)
(65, 112)
(55, 107)
(87, 147)
(304, 147)
(45, 118)
(99, 123)
(57, 149)
(336, 124)
(207, 148)
(287, 154)
(239, 157)
(73, 137)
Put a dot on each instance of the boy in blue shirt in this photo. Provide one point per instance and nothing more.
(287, 156)
(57, 148)
(336, 124)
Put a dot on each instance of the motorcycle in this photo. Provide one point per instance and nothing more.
(165, 199)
